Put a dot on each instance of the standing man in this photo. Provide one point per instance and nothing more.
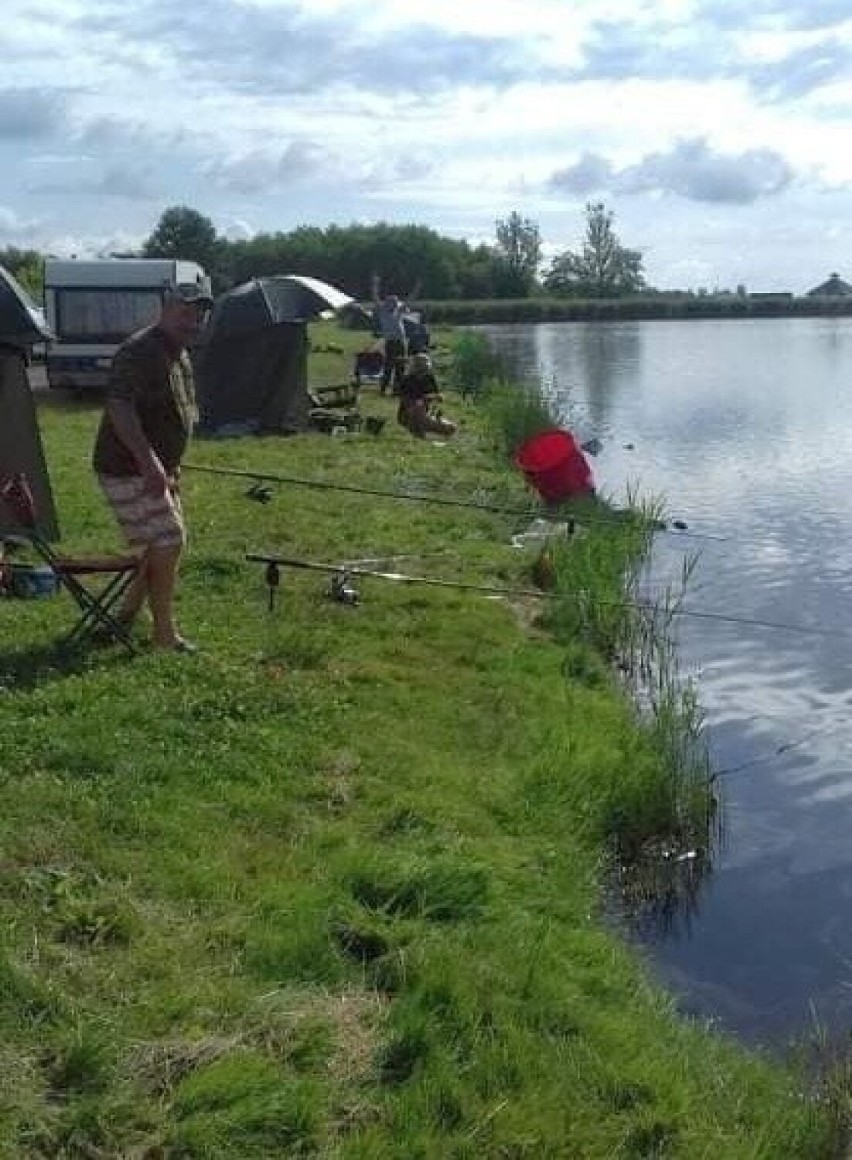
(144, 432)
(390, 312)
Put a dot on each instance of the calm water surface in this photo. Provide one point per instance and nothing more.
(745, 429)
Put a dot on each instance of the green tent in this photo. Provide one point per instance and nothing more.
(21, 448)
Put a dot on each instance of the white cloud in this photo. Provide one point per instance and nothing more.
(690, 169)
(284, 112)
(16, 230)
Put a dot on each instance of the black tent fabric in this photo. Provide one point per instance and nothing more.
(252, 363)
(21, 448)
(21, 322)
(254, 383)
(265, 302)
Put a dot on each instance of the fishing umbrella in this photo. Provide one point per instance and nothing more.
(21, 321)
(264, 302)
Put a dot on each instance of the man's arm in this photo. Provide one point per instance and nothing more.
(125, 423)
(120, 407)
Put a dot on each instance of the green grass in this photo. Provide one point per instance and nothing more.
(333, 886)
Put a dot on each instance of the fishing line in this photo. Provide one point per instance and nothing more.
(364, 560)
(497, 590)
(773, 753)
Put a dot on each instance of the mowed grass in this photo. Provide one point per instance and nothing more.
(332, 886)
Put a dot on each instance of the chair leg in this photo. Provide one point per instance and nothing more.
(96, 611)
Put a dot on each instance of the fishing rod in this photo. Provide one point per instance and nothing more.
(401, 577)
(678, 528)
(275, 562)
(325, 484)
(362, 561)
(343, 573)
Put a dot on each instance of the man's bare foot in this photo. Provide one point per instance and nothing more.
(177, 644)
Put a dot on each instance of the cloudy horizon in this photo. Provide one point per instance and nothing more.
(717, 131)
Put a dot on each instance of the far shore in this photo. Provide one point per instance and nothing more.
(657, 306)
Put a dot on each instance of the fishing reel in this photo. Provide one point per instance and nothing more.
(342, 590)
(259, 492)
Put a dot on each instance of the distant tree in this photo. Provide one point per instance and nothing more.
(603, 268)
(518, 255)
(184, 233)
(405, 256)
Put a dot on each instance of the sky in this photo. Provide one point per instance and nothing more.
(718, 132)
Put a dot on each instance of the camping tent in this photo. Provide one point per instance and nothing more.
(252, 364)
(254, 383)
(20, 446)
(21, 326)
(263, 302)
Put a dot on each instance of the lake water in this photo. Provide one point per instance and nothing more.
(744, 428)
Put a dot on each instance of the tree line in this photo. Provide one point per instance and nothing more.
(404, 256)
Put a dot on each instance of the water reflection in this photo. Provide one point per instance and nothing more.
(658, 894)
(592, 363)
(746, 428)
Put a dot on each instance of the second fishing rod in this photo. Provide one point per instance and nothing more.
(674, 527)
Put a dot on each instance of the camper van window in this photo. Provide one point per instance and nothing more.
(105, 313)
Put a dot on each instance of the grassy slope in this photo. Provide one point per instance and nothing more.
(331, 886)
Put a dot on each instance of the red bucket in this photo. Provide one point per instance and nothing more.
(554, 465)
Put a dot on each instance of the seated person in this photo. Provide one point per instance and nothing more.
(418, 392)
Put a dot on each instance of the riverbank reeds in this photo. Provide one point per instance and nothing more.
(598, 613)
(334, 886)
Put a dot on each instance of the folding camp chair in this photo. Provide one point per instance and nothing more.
(96, 605)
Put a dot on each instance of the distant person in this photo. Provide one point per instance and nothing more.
(390, 313)
(416, 333)
(142, 438)
(418, 394)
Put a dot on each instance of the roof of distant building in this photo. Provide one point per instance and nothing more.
(834, 287)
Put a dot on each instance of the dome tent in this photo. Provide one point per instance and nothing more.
(264, 302)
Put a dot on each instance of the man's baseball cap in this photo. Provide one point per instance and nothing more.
(190, 292)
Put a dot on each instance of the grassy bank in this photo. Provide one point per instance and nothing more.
(333, 886)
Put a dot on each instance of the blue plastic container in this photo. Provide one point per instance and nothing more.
(32, 581)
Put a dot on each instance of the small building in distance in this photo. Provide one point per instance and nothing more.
(835, 287)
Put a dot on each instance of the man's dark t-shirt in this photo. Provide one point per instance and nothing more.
(417, 385)
(156, 377)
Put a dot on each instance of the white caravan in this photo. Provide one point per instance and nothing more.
(91, 307)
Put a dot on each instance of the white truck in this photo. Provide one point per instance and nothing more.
(92, 306)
